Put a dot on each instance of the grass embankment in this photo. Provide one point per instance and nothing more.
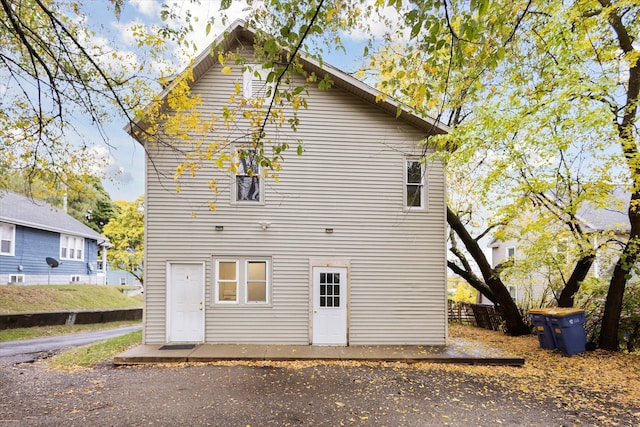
(31, 299)
(90, 355)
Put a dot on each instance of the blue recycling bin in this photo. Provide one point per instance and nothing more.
(542, 326)
(567, 325)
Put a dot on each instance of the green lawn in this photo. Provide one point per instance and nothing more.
(28, 299)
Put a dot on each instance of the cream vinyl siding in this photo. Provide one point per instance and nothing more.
(351, 179)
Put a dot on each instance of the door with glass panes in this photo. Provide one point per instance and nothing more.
(329, 306)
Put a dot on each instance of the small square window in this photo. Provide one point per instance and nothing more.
(16, 279)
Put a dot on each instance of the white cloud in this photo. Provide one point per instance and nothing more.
(121, 181)
(149, 8)
(378, 24)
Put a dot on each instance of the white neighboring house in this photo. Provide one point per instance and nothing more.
(611, 221)
(348, 248)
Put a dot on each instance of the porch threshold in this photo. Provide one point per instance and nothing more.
(455, 351)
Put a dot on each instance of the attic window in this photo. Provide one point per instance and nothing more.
(248, 184)
(255, 84)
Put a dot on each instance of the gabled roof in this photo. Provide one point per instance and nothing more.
(238, 34)
(610, 218)
(21, 210)
(613, 217)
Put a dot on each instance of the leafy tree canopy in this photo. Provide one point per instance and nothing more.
(126, 235)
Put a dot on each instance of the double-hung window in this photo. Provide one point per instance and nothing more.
(7, 239)
(248, 183)
(257, 284)
(71, 248)
(241, 281)
(414, 184)
(226, 291)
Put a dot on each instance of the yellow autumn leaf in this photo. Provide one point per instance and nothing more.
(226, 70)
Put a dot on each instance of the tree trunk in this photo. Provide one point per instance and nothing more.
(626, 132)
(580, 271)
(514, 323)
(613, 304)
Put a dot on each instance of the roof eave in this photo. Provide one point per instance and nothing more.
(36, 226)
(238, 31)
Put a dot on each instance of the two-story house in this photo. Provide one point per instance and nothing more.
(40, 244)
(606, 227)
(347, 248)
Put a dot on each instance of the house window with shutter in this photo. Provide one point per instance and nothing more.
(7, 239)
(255, 84)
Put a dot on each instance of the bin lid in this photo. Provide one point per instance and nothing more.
(540, 310)
(559, 312)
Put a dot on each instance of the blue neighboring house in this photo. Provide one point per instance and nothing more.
(40, 244)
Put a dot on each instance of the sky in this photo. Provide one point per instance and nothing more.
(124, 175)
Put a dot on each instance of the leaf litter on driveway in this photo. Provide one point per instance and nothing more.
(595, 388)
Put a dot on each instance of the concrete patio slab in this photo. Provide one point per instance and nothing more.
(151, 353)
(456, 351)
(211, 352)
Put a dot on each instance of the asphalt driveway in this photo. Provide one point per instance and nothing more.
(39, 345)
(269, 394)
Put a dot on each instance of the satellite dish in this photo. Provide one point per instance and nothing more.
(52, 262)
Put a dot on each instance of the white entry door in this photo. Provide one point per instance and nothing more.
(329, 306)
(185, 294)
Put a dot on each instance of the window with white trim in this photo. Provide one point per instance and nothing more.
(248, 186)
(71, 248)
(513, 291)
(257, 283)
(7, 239)
(511, 253)
(241, 281)
(255, 84)
(75, 279)
(226, 291)
(414, 173)
(15, 279)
